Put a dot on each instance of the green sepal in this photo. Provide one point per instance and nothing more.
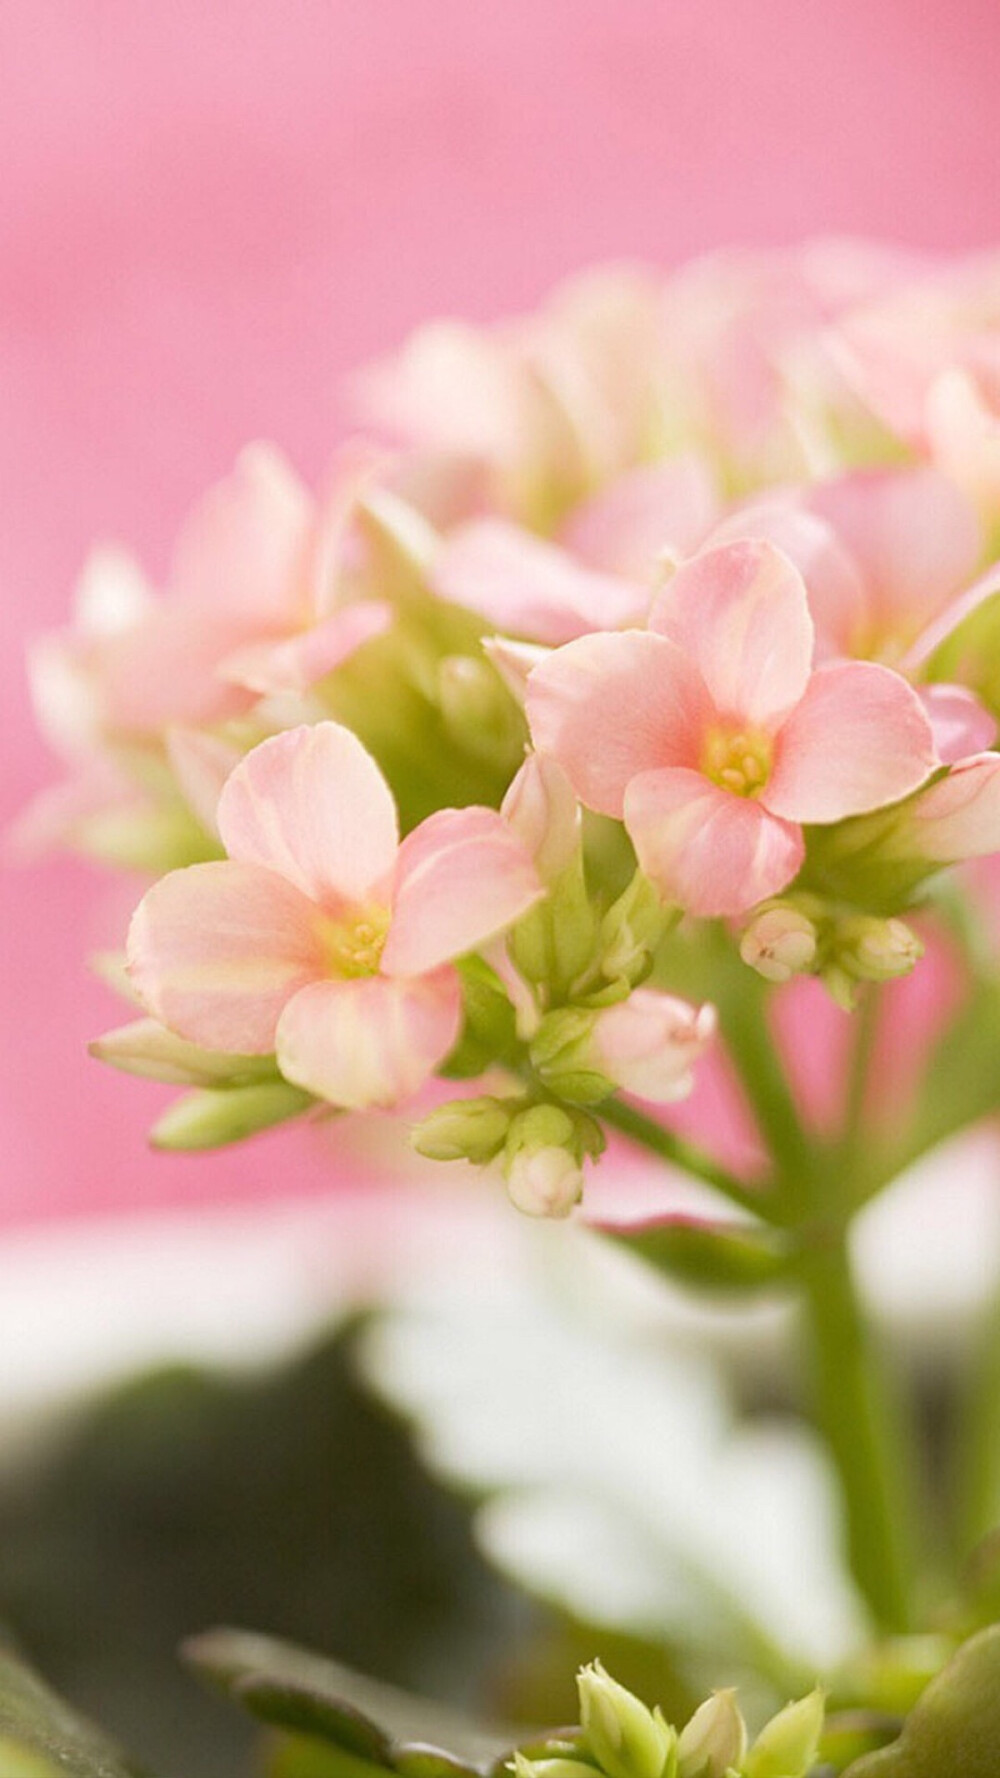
(41, 1737)
(953, 1730)
(489, 1034)
(216, 1116)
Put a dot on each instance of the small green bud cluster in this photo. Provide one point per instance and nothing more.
(622, 1738)
(541, 1146)
(802, 935)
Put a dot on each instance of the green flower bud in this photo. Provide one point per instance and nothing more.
(626, 1739)
(218, 1115)
(549, 1768)
(542, 1162)
(789, 1744)
(632, 929)
(562, 1052)
(714, 1741)
(147, 1048)
(464, 1130)
(874, 950)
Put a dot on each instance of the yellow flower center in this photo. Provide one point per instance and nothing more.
(738, 760)
(354, 947)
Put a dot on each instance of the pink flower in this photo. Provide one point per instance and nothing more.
(714, 736)
(648, 1044)
(320, 937)
(255, 602)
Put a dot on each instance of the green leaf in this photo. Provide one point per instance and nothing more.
(954, 1729)
(731, 1256)
(308, 1694)
(40, 1737)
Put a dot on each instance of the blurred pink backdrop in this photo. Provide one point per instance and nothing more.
(209, 213)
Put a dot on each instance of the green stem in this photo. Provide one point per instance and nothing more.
(652, 1136)
(861, 1431)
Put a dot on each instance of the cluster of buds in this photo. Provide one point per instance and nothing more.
(621, 1738)
(803, 935)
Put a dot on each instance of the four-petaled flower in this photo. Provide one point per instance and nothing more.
(320, 937)
(714, 736)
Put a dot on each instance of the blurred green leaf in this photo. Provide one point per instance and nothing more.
(40, 1737)
(731, 1256)
(377, 1724)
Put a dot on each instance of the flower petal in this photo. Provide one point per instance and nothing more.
(740, 612)
(654, 508)
(242, 547)
(914, 536)
(527, 587)
(833, 582)
(859, 738)
(712, 853)
(959, 816)
(294, 663)
(216, 950)
(959, 723)
(372, 1041)
(461, 876)
(312, 804)
(611, 706)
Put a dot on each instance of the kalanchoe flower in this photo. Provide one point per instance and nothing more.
(320, 937)
(714, 737)
(646, 1045)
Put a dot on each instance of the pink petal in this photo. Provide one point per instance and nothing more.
(166, 669)
(712, 853)
(959, 816)
(832, 581)
(296, 662)
(959, 723)
(613, 705)
(371, 1041)
(657, 507)
(461, 876)
(942, 627)
(741, 613)
(216, 950)
(312, 805)
(914, 536)
(526, 587)
(858, 739)
(242, 548)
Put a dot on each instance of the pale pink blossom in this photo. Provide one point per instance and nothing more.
(541, 808)
(954, 819)
(320, 937)
(714, 736)
(254, 602)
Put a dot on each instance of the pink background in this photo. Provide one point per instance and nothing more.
(210, 212)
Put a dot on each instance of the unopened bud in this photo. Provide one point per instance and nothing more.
(522, 1767)
(147, 1048)
(779, 942)
(565, 1056)
(714, 1741)
(874, 950)
(649, 1043)
(464, 1130)
(632, 929)
(543, 1162)
(219, 1115)
(514, 661)
(542, 809)
(787, 1746)
(626, 1739)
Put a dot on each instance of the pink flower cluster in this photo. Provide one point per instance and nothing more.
(721, 547)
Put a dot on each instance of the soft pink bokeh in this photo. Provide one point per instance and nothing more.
(210, 214)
